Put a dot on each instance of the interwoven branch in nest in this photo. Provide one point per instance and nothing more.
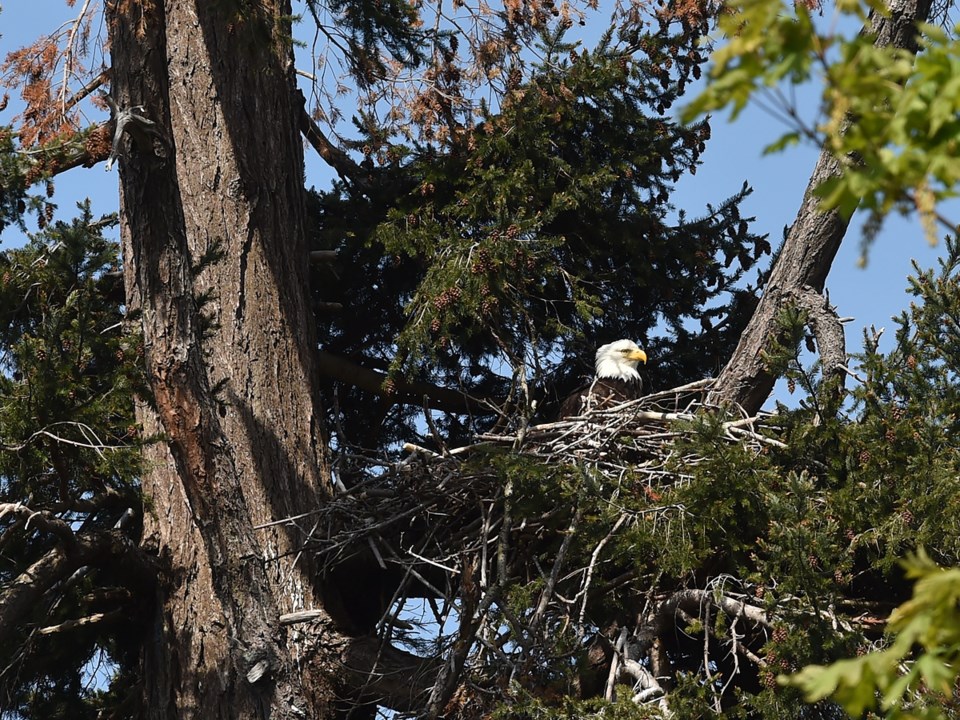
(448, 524)
(441, 488)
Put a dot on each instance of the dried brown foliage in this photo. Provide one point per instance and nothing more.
(472, 50)
(31, 70)
(54, 75)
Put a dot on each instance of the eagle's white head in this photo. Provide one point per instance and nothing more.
(619, 360)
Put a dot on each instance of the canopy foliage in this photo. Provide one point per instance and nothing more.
(662, 560)
(498, 265)
(888, 114)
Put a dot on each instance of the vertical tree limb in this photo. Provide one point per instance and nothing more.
(828, 332)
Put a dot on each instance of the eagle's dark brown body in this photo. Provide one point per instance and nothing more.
(616, 381)
(602, 393)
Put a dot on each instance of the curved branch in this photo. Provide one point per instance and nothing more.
(335, 157)
(375, 672)
(408, 392)
(20, 596)
(87, 621)
(41, 519)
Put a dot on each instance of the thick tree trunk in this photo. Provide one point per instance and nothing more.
(215, 263)
(809, 249)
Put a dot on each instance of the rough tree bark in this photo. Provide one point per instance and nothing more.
(810, 246)
(213, 252)
(215, 270)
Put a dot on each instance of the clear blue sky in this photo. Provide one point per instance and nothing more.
(733, 155)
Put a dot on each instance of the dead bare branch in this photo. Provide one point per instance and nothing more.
(445, 521)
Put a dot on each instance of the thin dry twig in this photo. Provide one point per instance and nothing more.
(436, 516)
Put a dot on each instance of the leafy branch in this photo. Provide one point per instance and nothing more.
(888, 114)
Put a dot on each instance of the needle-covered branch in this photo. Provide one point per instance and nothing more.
(455, 529)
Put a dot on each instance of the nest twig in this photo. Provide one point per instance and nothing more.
(446, 525)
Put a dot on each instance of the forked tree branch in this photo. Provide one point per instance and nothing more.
(20, 597)
(810, 247)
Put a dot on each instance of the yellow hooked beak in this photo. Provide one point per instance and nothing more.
(638, 355)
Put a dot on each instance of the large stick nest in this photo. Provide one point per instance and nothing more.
(376, 500)
(527, 579)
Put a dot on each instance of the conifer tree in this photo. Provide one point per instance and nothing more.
(479, 250)
(170, 503)
(73, 580)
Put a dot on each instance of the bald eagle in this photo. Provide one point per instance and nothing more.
(616, 381)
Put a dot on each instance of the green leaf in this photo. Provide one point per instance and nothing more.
(782, 143)
(851, 682)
